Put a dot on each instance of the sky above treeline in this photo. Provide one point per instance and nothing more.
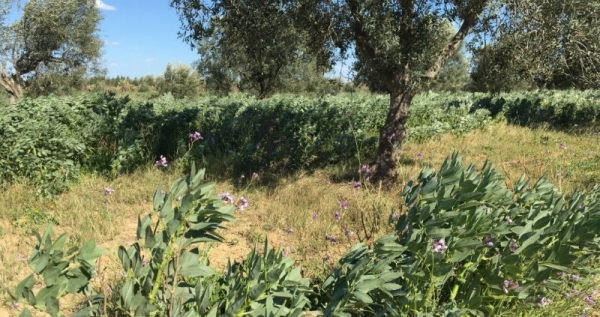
(141, 37)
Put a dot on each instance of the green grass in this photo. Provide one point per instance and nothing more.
(285, 213)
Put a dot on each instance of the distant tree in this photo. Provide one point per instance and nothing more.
(495, 70)
(542, 44)
(58, 37)
(213, 68)
(249, 41)
(181, 81)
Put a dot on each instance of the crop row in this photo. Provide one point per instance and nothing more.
(48, 141)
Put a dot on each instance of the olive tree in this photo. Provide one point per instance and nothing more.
(58, 37)
(400, 46)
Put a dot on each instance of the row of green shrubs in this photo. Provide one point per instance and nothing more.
(467, 246)
(47, 141)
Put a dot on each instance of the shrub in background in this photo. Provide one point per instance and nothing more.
(45, 141)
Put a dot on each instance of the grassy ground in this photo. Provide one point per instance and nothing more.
(297, 214)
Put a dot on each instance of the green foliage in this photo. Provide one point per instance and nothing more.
(45, 141)
(267, 285)
(252, 40)
(470, 246)
(554, 109)
(175, 280)
(180, 81)
(542, 44)
(48, 141)
(57, 38)
(467, 246)
(61, 271)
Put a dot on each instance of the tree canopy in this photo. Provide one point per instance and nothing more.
(542, 44)
(58, 38)
(400, 46)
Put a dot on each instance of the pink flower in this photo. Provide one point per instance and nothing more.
(440, 246)
(108, 191)
(195, 136)
(243, 203)
(162, 162)
(337, 215)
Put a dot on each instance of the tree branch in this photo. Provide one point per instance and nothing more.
(474, 10)
(361, 37)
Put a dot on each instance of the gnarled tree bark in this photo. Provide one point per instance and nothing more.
(13, 84)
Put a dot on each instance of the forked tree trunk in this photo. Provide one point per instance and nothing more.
(392, 135)
(13, 85)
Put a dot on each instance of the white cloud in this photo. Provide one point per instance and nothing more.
(150, 60)
(103, 6)
(112, 43)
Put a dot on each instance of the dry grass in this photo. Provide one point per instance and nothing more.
(298, 213)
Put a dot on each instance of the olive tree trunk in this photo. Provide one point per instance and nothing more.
(392, 135)
(14, 85)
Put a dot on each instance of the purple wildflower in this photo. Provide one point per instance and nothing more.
(145, 262)
(286, 250)
(391, 136)
(440, 246)
(226, 198)
(254, 176)
(589, 300)
(343, 204)
(162, 162)
(365, 169)
(544, 302)
(290, 230)
(575, 277)
(395, 216)
(349, 233)
(108, 191)
(20, 257)
(195, 136)
(243, 203)
(563, 146)
(489, 244)
(508, 285)
(337, 215)
(315, 216)
(15, 305)
(356, 185)
(484, 207)
(513, 246)
(419, 155)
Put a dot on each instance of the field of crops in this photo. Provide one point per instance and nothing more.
(452, 238)
(48, 141)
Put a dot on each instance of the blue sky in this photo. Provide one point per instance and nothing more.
(141, 37)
